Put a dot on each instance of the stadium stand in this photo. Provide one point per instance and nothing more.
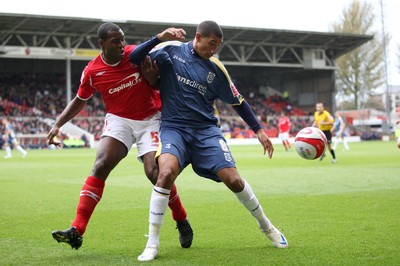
(29, 98)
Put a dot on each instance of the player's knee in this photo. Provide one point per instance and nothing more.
(235, 184)
(166, 177)
(151, 173)
(102, 169)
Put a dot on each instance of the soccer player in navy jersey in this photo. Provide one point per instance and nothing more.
(190, 79)
(338, 128)
(133, 116)
(10, 139)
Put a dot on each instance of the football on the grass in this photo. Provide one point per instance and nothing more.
(310, 143)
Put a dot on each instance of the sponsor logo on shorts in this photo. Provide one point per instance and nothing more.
(168, 146)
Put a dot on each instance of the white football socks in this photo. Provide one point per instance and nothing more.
(346, 145)
(250, 201)
(158, 206)
(8, 152)
(21, 150)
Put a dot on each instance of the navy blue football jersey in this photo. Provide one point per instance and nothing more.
(189, 85)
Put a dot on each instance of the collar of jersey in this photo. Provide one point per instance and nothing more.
(192, 50)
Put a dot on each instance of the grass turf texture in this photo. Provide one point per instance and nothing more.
(343, 214)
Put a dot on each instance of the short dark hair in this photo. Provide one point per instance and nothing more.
(102, 31)
(208, 27)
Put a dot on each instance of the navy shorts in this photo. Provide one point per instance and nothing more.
(204, 148)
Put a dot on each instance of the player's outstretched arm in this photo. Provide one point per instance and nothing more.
(141, 51)
(172, 34)
(247, 114)
(265, 142)
(72, 109)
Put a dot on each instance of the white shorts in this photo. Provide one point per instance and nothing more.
(145, 133)
(284, 136)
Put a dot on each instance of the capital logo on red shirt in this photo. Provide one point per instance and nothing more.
(136, 79)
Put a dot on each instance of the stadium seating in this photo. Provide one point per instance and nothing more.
(29, 98)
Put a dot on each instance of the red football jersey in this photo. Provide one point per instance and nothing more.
(284, 124)
(124, 91)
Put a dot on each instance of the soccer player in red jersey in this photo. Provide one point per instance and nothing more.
(133, 116)
(284, 125)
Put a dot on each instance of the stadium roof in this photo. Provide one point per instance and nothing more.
(242, 46)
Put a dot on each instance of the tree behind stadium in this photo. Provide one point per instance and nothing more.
(361, 70)
(398, 57)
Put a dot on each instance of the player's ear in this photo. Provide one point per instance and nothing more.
(101, 43)
(198, 37)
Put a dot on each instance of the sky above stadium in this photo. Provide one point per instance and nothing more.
(305, 15)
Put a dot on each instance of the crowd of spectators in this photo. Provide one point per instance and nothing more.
(26, 95)
(267, 110)
(29, 98)
(93, 125)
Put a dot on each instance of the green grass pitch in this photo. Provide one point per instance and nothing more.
(343, 214)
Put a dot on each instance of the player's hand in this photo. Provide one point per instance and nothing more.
(265, 142)
(52, 134)
(172, 34)
(149, 70)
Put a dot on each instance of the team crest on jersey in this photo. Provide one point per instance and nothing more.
(228, 156)
(210, 77)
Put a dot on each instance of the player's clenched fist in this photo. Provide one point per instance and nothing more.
(52, 134)
(172, 34)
